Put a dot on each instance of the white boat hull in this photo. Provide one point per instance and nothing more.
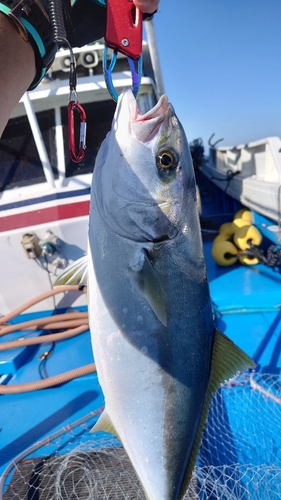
(249, 173)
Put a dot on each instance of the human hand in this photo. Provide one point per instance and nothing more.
(147, 6)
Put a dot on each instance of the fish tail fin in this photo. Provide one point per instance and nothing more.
(227, 360)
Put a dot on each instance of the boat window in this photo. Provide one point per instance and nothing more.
(20, 164)
(99, 118)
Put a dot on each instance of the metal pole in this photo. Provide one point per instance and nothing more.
(43, 155)
(60, 145)
(154, 55)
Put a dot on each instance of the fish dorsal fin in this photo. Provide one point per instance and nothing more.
(104, 424)
(75, 274)
(227, 360)
(148, 285)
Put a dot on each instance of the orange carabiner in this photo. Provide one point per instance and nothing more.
(72, 106)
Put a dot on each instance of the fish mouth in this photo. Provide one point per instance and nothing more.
(146, 127)
(158, 111)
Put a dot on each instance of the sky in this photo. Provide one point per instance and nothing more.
(221, 66)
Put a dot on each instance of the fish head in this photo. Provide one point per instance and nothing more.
(144, 172)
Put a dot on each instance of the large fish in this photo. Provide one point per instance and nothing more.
(158, 354)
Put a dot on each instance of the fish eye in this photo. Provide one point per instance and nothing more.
(167, 160)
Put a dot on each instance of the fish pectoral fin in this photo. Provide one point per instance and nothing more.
(75, 274)
(148, 285)
(227, 360)
(104, 424)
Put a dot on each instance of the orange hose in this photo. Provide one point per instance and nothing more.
(54, 337)
(34, 323)
(48, 382)
(43, 296)
(66, 324)
(58, 321)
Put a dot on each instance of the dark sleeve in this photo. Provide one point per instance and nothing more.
(88, 20)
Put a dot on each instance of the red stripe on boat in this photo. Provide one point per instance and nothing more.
(40, 216)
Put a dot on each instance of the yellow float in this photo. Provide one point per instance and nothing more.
(234, 238)
(222, 237)
(246, 235)
(245, 214)
(248, 261)
(223, 253)
(239, 222)
(228, 228)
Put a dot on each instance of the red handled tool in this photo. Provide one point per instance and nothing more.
(124, 27)
(123, 34)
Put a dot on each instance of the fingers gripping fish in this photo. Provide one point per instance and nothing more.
(158, 354)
